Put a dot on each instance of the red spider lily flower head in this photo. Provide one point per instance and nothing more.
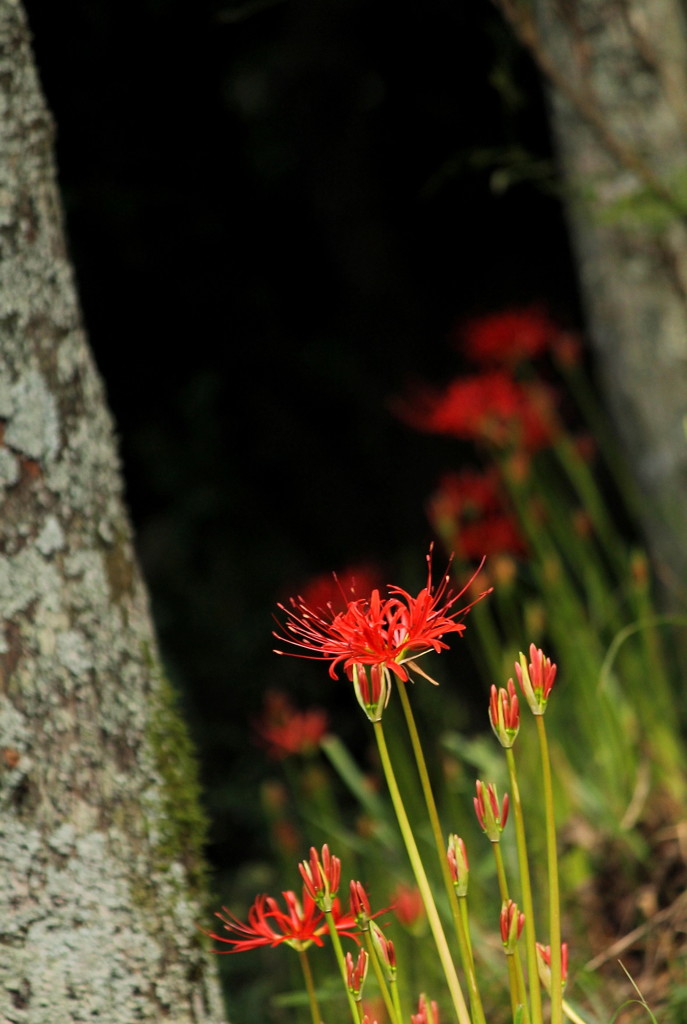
(468, 511)
(492, 819)
(512, 922)
(536, 679)
(509, 337)
(504, 714)
(381, 633)
(427, 1013)
(385, 950)
(407, 905)
(356, 972)
(457, 857)
(489, 407)
(284, 731)
(544, 964)
(321, 877)
(300, 925)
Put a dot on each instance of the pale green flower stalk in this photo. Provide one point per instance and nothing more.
(526, 885)
(455, 990)
(309, 987)
(459, 921)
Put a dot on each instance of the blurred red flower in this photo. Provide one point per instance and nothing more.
(407, 905)
(491, 407)
(284, 731)
(509, 337)
(335, 590)
(469, 513)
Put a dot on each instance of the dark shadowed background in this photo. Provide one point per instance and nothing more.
(277, 212)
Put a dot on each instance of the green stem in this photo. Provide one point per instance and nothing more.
(381, 980)
(309, 987)
(554, 896)
(513, 984)
(527, 903)
(500, 872)
(462, 933)
(447, 964)
(338, 949)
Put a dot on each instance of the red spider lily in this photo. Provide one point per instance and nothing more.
(427, 1013)
(285, 731)
(536, 679)
(492, 819)
(300, 925)
(356, 972)
(381, 632)
(321, 877)
(468, 511)
(457, 857)
(512, 923)
(510, 337)
(489, 407)
(504, 714)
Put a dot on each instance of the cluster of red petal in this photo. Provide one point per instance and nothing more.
(468, 510)
(378, 631)
(285, 731)
(512, 336)
(301, 924)
(491, 407)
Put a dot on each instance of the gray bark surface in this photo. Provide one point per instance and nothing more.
(619, 115)
(100, 867)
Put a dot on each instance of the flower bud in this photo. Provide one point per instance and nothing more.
(492, 818)
(536, 679)
(504, 714)
(457, 858)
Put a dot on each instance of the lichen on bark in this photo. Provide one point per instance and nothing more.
(94, 811)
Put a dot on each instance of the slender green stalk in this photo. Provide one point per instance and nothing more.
(462, 933)
(527, 903)
(513, 984)
(341, 960)
(397, 1000)
(309, 987)
(522, 988)
(552, 860)
(394, 1016)
(500, 872)
(447, 964)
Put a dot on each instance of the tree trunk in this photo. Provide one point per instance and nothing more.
(619, 113)
(100, 833)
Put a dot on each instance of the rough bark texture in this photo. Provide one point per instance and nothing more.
(619, 113)
(100, 869)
